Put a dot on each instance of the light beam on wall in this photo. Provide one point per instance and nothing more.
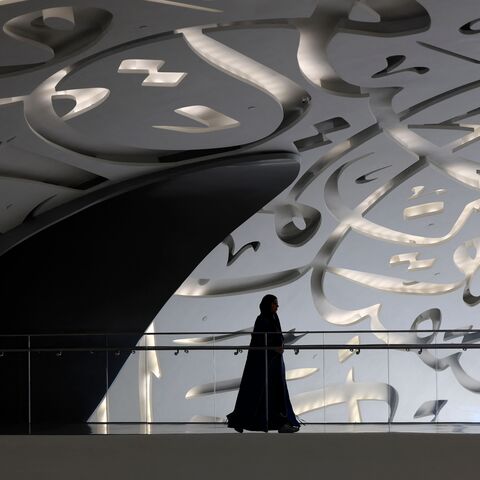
(151, 68)
(213, 120)
(186, 5)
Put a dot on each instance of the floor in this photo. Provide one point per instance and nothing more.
(204, 428)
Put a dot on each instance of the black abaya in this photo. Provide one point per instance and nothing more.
(250, 411)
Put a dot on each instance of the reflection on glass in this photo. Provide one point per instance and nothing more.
(412, 378)
(356, 382)
(458, 379)
(124, 371)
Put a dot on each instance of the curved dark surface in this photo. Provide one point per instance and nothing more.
(110, 268)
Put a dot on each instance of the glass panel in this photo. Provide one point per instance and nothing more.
(356, 379)
(67, 378)
(229, 367)
(14, 374)
(412, 375)
(304, 373)
(458, 382)
(181, 373)
(126, 379)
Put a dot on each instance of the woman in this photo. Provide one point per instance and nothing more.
(251, 407)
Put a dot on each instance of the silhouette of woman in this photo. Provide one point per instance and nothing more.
(263, 380)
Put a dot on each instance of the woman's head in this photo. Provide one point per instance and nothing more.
(269, 304)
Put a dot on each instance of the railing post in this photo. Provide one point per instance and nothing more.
(388, 380)
(324, 366)
(29, 376)
(106, 384)
(266, 378)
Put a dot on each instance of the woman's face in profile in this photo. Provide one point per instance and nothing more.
(274, 306)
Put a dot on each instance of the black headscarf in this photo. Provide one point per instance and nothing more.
(266, 304)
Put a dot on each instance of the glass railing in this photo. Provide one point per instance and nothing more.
(385, 377)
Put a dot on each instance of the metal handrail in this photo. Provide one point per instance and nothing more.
(466, 344)
(296, 348)
(236, 332)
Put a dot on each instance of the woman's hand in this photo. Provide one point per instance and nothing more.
(279, 350)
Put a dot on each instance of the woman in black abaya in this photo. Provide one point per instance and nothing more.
(251, 407)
